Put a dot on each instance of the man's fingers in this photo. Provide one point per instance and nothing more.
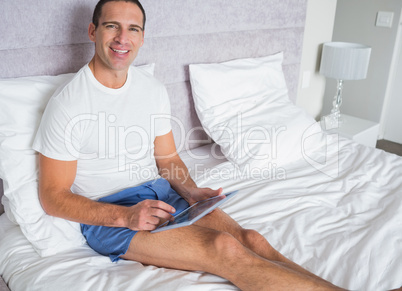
(147, 214)
(156, 212)
(161, 205)
(159, 209)
(208, 192)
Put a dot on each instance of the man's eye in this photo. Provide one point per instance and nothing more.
(111, 26)
(134, 29)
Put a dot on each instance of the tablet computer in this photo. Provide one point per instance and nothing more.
(196, 211)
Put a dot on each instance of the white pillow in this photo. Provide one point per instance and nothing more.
(244, 106)
(22, 102)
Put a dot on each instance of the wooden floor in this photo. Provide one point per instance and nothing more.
(390, 147)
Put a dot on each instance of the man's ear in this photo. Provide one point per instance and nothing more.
(143, 37)
(91, 32)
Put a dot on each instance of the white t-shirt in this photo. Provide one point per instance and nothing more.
(110, 132)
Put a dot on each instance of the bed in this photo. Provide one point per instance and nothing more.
(327, 203)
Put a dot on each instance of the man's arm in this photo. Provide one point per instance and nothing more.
(172, 168)
(55, 180)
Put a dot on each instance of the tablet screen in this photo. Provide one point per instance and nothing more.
(195, 212)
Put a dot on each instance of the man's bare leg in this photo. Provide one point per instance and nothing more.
(198, 248)
(220, 221)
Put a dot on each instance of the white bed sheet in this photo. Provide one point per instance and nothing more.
(347, 229)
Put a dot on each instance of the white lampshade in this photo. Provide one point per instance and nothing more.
(345, 61)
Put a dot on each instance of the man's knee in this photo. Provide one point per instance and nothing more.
(254, 240)
(250, 236)
(227, 246)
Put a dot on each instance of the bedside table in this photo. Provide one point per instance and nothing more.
(360, 130)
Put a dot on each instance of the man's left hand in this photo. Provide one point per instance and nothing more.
(197, 194)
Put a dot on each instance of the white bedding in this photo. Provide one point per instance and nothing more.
(345, 228)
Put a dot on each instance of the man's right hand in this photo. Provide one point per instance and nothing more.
(148, 214)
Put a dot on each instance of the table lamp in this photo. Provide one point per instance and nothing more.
(342, 61)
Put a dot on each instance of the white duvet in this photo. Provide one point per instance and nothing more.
(342, 221)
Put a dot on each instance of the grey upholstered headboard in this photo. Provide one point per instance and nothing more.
(49, 37)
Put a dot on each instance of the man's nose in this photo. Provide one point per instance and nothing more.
(122, 36)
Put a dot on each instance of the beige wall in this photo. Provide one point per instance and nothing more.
(318, 29)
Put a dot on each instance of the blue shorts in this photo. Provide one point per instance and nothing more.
(114, 241)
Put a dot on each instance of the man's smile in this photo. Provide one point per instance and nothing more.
(120, 51)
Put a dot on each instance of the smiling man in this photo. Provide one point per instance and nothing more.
(88, 181)
(118, 36)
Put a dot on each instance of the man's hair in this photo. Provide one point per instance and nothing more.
(98, 10)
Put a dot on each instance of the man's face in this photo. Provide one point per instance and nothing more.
(118, 36)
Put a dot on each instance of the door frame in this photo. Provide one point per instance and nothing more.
(387, 123)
